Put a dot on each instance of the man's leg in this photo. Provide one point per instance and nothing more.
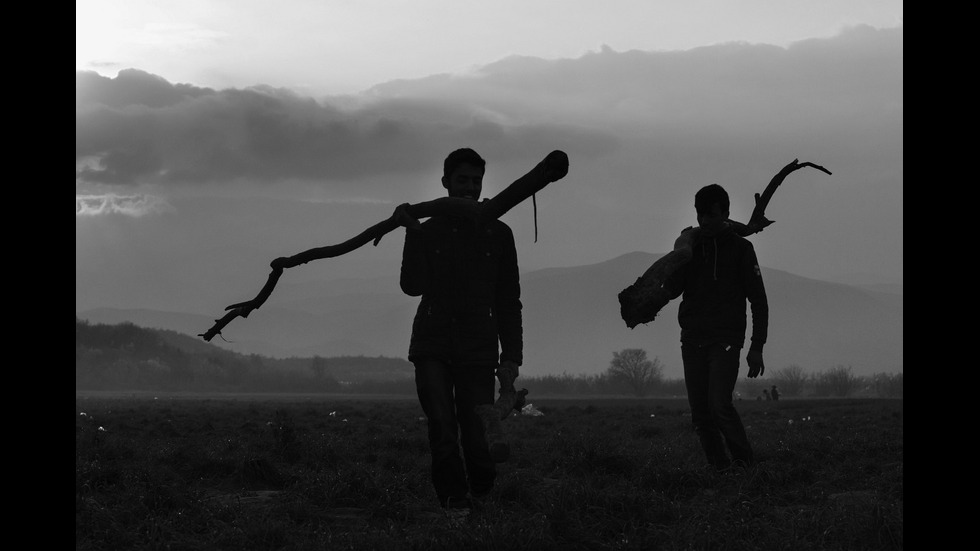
(724, 361)
(475, 385)
(433, 382)
(697, 371)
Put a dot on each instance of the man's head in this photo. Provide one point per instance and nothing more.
(462, 174)
(711, 203)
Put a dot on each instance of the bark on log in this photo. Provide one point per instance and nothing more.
(553, 168)
(643, 300)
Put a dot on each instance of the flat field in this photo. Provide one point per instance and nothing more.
(331, 472)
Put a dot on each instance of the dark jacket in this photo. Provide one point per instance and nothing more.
(722, 273)
(470, 286)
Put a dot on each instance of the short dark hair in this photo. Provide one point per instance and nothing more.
(709, 195)
(462, 156)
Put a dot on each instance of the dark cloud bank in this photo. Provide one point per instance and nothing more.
(143, 129)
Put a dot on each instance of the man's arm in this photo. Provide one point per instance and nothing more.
(510, 327)
(755, 291)
(675, 282)
(414, 278)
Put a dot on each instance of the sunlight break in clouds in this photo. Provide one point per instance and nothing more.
(128, 205)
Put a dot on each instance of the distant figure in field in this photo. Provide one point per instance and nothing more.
(722, 273)
(468, 278)
(774, 392)
(765, 394)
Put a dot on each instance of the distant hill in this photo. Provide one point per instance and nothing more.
(814, 324)
(571, 321)
(140, 341)
(128, 356)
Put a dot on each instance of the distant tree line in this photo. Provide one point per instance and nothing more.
(127, 357)
(836, 382)
(631, 373)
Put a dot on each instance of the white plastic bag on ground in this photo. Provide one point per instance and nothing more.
(530, 410)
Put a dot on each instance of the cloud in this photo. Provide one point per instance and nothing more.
(131, 87)
(736, 105)
(141, 129)
(135, 206)
(644, 130)
(726, 86)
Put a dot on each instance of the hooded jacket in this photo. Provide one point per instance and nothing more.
(470, 286)
(722, 273)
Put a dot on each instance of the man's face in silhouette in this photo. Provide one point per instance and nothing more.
(713, 221)
(466, 181)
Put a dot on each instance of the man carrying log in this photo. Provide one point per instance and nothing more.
(716, 269)
(467, 275)
(720, 275)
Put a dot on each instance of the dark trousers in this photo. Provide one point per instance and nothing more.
(710, 373)
(449, 394)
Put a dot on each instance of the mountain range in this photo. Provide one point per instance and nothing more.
(571, 321)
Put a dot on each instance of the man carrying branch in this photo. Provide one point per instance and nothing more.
(722, 273)
(467, 329)
(716, 269)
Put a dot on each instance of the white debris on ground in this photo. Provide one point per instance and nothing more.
(531, 410)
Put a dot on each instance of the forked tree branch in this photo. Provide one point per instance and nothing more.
(553, 168)
(642, 301)
(758, 220)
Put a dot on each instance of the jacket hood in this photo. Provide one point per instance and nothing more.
(726, 231)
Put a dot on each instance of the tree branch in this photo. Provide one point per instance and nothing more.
(642, 301)
(758, 220)
(553, 168)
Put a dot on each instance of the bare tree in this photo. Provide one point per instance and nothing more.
(318, 364)
(888, 385)
(838, 381)
(791, 380)
(631, 366)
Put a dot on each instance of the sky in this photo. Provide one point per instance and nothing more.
(213, 136)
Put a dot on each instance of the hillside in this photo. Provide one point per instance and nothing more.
(126, 356)
(571, 321)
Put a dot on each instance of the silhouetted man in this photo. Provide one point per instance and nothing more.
(468, 278)
(722, 273)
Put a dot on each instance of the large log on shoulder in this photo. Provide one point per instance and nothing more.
(643, 300)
